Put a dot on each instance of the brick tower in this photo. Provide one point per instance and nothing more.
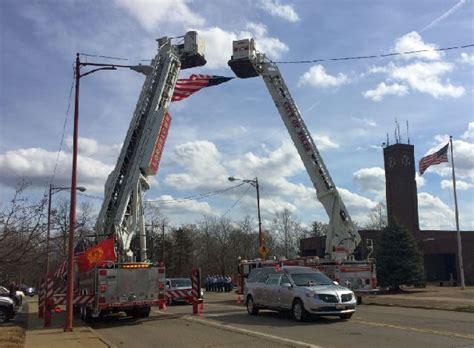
(401, 193)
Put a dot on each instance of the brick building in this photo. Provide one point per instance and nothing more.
(439, 247)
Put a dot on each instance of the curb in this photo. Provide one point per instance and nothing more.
(100, 337)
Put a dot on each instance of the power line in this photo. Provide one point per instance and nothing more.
(62, 136)
(194, 197)
(375, 55)
(101, 56)
(235, 203)
(318, 60)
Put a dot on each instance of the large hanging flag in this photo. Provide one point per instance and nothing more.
(438, 157)
(185, 87)
(97, 255)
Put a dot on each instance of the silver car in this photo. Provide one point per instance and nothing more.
(301, 290)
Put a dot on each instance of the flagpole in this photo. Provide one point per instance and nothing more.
(458, 233)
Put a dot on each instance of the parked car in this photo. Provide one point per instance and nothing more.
(301, 290)
(19, 295)
(29, 291)
(7, 309)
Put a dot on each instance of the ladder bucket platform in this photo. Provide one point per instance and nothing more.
(243, 68)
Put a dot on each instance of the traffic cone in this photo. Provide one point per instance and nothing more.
(164, 307)
(238, 299)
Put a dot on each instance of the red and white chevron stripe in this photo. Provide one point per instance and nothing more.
(175, 294)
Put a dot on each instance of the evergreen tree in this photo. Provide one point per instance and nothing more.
(399, 261)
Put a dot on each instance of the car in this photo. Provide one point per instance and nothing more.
(7, 309)
(19, 295)
(303, 291)
(30, 291)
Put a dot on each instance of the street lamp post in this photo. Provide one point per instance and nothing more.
(254, 183)
(144, 69)
(52, 190)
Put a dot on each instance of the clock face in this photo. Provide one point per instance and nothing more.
(391, 162)
(406, 160)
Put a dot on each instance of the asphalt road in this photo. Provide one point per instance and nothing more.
(225, 324)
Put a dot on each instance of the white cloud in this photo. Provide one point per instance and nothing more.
(420, 181)
(425, 78)
(460, 185)
(316, 76)
(219, 43)
(178, 208)
(91, 148)
(421, 76)
(324, 142)
(151, 15)
(275, 8)
(413, 42)
(36, 165)
(358, 206)
(202, 166)
(434, 214)
(467, 58)
(370, 180)
(469, 134)
(382, 90)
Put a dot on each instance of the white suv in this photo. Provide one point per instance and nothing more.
(302, 290)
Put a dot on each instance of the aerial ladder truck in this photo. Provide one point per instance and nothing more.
(132, 283)
(342, 236)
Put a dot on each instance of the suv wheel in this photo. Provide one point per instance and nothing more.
(3, 316)
(345, 316)
(298, 311)
(251, 308)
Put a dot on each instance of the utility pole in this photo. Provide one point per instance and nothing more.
(163, 240)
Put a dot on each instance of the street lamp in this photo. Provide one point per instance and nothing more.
(143, 69)
(52, 191)
(254, 183)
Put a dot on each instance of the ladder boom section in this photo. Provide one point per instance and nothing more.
(342, 237)
(122, 213)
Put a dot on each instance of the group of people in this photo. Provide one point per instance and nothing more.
(219, 283)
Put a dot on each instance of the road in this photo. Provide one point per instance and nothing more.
(226, 324)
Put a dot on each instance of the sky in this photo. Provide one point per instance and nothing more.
(234, 129)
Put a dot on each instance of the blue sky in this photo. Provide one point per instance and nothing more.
(234, 129)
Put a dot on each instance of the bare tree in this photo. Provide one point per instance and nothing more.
(288, 233)
(377, 217)
(21, 235)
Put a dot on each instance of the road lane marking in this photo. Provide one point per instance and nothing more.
(436, 332)
(292, 343)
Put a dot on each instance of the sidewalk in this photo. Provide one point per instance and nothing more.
(39, 337)
(431, 297)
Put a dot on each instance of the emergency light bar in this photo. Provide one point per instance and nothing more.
(134, 265)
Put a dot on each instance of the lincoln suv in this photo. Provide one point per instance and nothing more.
(301, 290)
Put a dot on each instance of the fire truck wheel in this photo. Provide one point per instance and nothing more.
(298, 311)
(251, 308)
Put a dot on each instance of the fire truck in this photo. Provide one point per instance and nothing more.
(342, 237)
(132, 283)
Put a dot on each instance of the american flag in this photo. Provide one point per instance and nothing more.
(435, 158)
(185, 87)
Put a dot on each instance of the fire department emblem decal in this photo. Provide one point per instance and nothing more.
(95, 255)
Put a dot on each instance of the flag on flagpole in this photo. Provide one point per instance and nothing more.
(438, 157)
(185, 87)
